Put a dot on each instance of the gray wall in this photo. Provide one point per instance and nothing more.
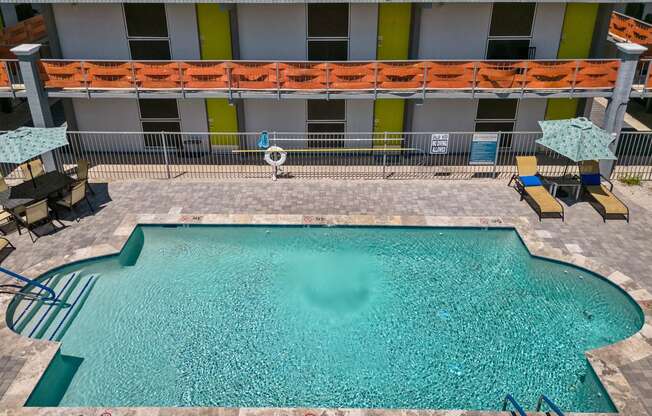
(182, 26)
(193, 115)
(363, 31)
(359, 116)
(454, 31)
(546, 32)
(445, 115)
(109, 115)
(272, 31)
(273, 115)
(91, 31)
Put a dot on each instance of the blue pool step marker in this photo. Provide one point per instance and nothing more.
(50, 318)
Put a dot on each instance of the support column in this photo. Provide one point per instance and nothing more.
(614, 117)
(37, 99)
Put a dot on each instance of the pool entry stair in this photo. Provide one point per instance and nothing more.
(543, 399)
(37, 316)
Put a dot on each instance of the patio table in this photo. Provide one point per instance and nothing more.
(35, 190)
(572, 182)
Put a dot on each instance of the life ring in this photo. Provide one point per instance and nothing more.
(275, 149)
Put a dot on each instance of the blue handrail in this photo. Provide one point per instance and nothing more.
(33, 282)
(509, 398)
(550, 404)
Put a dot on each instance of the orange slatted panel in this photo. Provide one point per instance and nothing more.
(102, 75)
(550, 74)
(597, 74)
(4, 76)
(302, 76)
(157, 75)
(400, 76)
(449, 75)
(254, 75)
(205, 75)
(351, 76)
(62, 74)
(619, 25)
(500, 75)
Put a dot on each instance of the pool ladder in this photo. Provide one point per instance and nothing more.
(509, 399)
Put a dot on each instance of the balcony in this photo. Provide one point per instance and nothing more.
(28, 31)
(369, 79)
(623, 28)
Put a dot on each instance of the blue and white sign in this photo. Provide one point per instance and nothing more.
(484, 148)
(439, 143)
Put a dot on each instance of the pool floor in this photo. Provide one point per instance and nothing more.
(368, 317)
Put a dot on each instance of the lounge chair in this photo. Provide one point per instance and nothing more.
(35, 214)
(32, 169)
(601, 197)
(6, 217)
(529, 184)
(76, 195)
(82, 174)
(4, 243)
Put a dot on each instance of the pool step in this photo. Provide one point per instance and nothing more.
(49, 320)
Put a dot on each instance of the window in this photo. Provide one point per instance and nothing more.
(328, 32)
(147, 31)
(510, 32)
(327, 117)
(160, 115)
(497, 115)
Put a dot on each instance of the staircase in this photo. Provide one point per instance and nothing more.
(36, 316)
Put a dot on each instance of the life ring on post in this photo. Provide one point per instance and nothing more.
(275, 150)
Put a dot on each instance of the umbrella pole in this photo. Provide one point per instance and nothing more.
(31, 175)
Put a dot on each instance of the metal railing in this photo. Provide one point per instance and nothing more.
(11, 79)
(626, 28)
(373, 77)
(51, 295)
(164, 155)
(509, 399)
(551, 405)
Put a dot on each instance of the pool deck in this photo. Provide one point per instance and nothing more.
(619, 251)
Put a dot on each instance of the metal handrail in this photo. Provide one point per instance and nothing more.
(543, 398)
(32, 282)
(519, 409)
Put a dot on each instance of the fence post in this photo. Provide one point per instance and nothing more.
(614, 117)
(384, 155)
(500, 139)
(165, 154)
(37, 99)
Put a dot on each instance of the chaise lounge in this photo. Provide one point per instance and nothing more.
(529, 184)
(608, 205)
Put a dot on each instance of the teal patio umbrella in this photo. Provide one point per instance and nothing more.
(26, 143)
(577, 139)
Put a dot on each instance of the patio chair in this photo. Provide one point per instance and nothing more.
(76, 195)
(602, 198)
(4, 243)
(529, 184)
(32, 169)
(35, 214)
(82, 174)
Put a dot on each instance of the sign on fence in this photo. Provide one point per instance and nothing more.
(483, 149)
(439, 143)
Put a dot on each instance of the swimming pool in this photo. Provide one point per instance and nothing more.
(272, 316)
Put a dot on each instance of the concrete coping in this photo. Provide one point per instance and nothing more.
(605, 361)
(26, 49)
(631, 48)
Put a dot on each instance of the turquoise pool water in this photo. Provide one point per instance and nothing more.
(338, 317)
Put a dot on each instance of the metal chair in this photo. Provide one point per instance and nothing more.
(76, 195)
(32, 169)
(82, 173)
(36, 214)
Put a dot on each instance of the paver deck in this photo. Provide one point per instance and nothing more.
(624, 247)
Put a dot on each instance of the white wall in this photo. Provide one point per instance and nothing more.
(454, 31)
(274, 115)
(272, 31)
(530, 112)
(363, 31)
(91, 31)
(445, 115)
(193, 115)
(546, 32)
(182, 27)
(109, 115)
(359, 116)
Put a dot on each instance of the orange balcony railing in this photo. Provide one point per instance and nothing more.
(330, 77)
(628, 29)
(27, 31)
